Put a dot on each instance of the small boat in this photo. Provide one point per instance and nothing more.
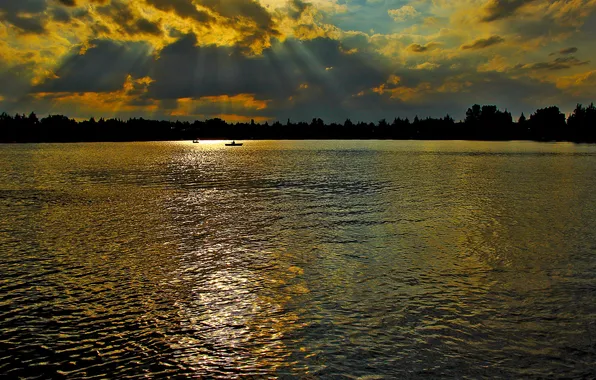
(195, 141)
(234, 143)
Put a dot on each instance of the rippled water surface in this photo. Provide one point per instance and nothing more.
(298, 259)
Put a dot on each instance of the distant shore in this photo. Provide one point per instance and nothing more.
(482, 123)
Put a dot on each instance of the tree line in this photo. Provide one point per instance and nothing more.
(486, 122)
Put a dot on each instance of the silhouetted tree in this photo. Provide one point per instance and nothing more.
(32, 119)
(582, 123)
(548, 124)
(522, 119)
(482, 122)
(473, 114)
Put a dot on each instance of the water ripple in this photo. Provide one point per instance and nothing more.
(363, 260)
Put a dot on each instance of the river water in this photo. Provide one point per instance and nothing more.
(307, 259)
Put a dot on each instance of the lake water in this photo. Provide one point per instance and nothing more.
(307, 259)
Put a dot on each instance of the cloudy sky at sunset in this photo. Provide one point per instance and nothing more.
(278, 59)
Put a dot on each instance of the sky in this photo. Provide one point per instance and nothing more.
(273, 60)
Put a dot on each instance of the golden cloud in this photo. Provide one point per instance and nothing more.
(579, 84)
(194, 107)
(106, 103)
(396, 90)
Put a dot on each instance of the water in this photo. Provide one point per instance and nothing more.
(298, 260)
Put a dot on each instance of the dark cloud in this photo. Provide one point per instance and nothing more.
(60, 15)
(183, 8)
(15, 79)
(73, 3)
(417, 48)
(103, 68)
(560, 63)
(234, 9)
(321, 61)
(483, 43)
(333, 79)
(302, 79)
(68, 3)
(123, 16)
(185, 70)
(557, 24)
(501, 9)
(23, 6)
(27, 16)
(297, 8)
(28, 25)
(517, 95)
(546, 26)
(100, 28)
(567, 51)
(118, 11)
(148, 27)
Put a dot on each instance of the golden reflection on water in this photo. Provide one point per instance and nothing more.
(290, 259)
(245, 315)
(506, 226)
(236, 300)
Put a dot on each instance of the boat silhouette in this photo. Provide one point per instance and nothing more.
(234, 143)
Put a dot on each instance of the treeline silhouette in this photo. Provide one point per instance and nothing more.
(481, 123)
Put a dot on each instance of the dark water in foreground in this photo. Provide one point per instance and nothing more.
(298, 259)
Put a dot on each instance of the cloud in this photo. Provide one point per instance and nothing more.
(68, 3)
(560, 63)
(216, 57)
(502, 9)
(183, 8)
(28, 25)
(417, 48)
(244, 23)
(27, 17)
(24, 6)
(427, 66)
(216, 106)
(102, 68)
(296, 8)
(73, 3)
(60, 15)
(261, 27)
(403, 13)
(124, 18)
(126, 98)
(581, 85)
(185, 70)
(571, 50)
(483, 43)
(15, 79)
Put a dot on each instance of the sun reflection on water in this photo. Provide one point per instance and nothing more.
(193, 260)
